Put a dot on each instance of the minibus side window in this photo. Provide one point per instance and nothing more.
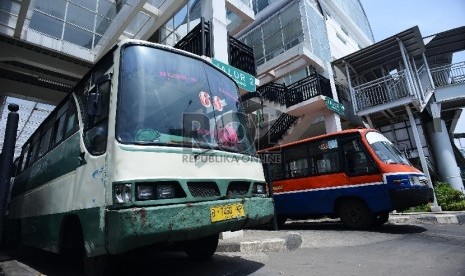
(357, 162)
(324, 157)
(296, 161)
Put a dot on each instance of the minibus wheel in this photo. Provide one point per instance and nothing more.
(355, 214)
(201, 250)
(381, 219)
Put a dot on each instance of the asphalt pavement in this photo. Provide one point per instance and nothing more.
(286, 239)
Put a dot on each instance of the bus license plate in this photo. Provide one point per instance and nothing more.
(226, 212)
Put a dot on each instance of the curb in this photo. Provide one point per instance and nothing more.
(425, 218)
(291, 241)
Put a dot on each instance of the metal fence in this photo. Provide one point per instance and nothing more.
(381, 91)
(448, 74)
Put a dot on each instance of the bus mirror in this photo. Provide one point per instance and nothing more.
(94, 104)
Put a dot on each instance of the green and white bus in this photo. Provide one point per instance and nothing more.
(149, 148)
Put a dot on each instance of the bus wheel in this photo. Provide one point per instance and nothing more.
(96, 265)
(355, 214)
(202, 250)
(381, 219)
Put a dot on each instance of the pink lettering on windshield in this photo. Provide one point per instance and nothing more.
(178, 76)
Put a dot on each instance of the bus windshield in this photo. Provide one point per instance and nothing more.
(385, 150)
(170, 99)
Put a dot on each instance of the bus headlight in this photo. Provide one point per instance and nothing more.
(121, 193)
(165, 191)
(260, 189)
(145, 192)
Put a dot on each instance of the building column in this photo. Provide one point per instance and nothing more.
(332, 122)
(444, 156)
(215, 12)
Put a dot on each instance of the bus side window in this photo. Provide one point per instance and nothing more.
(22, 163)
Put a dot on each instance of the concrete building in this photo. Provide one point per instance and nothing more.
(318, 67)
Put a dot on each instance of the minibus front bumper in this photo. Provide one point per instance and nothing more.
(410, 197)
(135, 227)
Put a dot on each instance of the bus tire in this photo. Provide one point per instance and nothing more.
(380, 219)
(355, 214)
(202, 250)
(74, 252)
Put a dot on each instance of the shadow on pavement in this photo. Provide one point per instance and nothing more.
(156, 263)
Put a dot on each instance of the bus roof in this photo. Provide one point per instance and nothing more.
(347, 131)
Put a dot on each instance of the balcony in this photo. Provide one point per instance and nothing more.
(298, 92)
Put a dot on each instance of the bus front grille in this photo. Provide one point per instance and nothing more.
(203, 189)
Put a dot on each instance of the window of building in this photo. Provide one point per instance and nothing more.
(81, 22)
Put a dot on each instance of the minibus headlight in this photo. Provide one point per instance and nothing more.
(165, 191)
(145, 192)
(121, 193)
(415, 181)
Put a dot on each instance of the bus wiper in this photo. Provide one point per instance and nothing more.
(201, 153)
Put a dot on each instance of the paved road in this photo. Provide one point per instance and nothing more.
(327, 249)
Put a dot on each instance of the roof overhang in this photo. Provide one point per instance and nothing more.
(385, 53)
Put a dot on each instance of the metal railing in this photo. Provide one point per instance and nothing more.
(276, 131)
(448, 74)
(380, 91)
(198, 40)
(274, 92)
(241, 56)
(300, 91)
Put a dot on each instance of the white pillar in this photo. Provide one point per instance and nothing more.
(215, 12)
(444, 156)
(332, 122)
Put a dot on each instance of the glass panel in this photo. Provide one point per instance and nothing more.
(292, 31)
(96, 39)
(46, 24)
(139, 20)
(89, 4)
(78, 36)
(107, 9)
(10, 6)
(271, 26)
(80, 17)
(53, 7)
(272, 44)
(290, 14)
(102, 25)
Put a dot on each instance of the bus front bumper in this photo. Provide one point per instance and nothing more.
(406, 198)
(132, 228)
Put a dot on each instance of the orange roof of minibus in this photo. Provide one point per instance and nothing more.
(354, 130)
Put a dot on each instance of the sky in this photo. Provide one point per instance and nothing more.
(389, 17)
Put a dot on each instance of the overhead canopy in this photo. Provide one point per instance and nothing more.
(385, 53)
(445, 43)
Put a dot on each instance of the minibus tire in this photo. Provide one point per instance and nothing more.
(380, 219)
(202, 250)
(355, 214)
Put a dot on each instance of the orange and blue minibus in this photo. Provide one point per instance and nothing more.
(357, 175)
